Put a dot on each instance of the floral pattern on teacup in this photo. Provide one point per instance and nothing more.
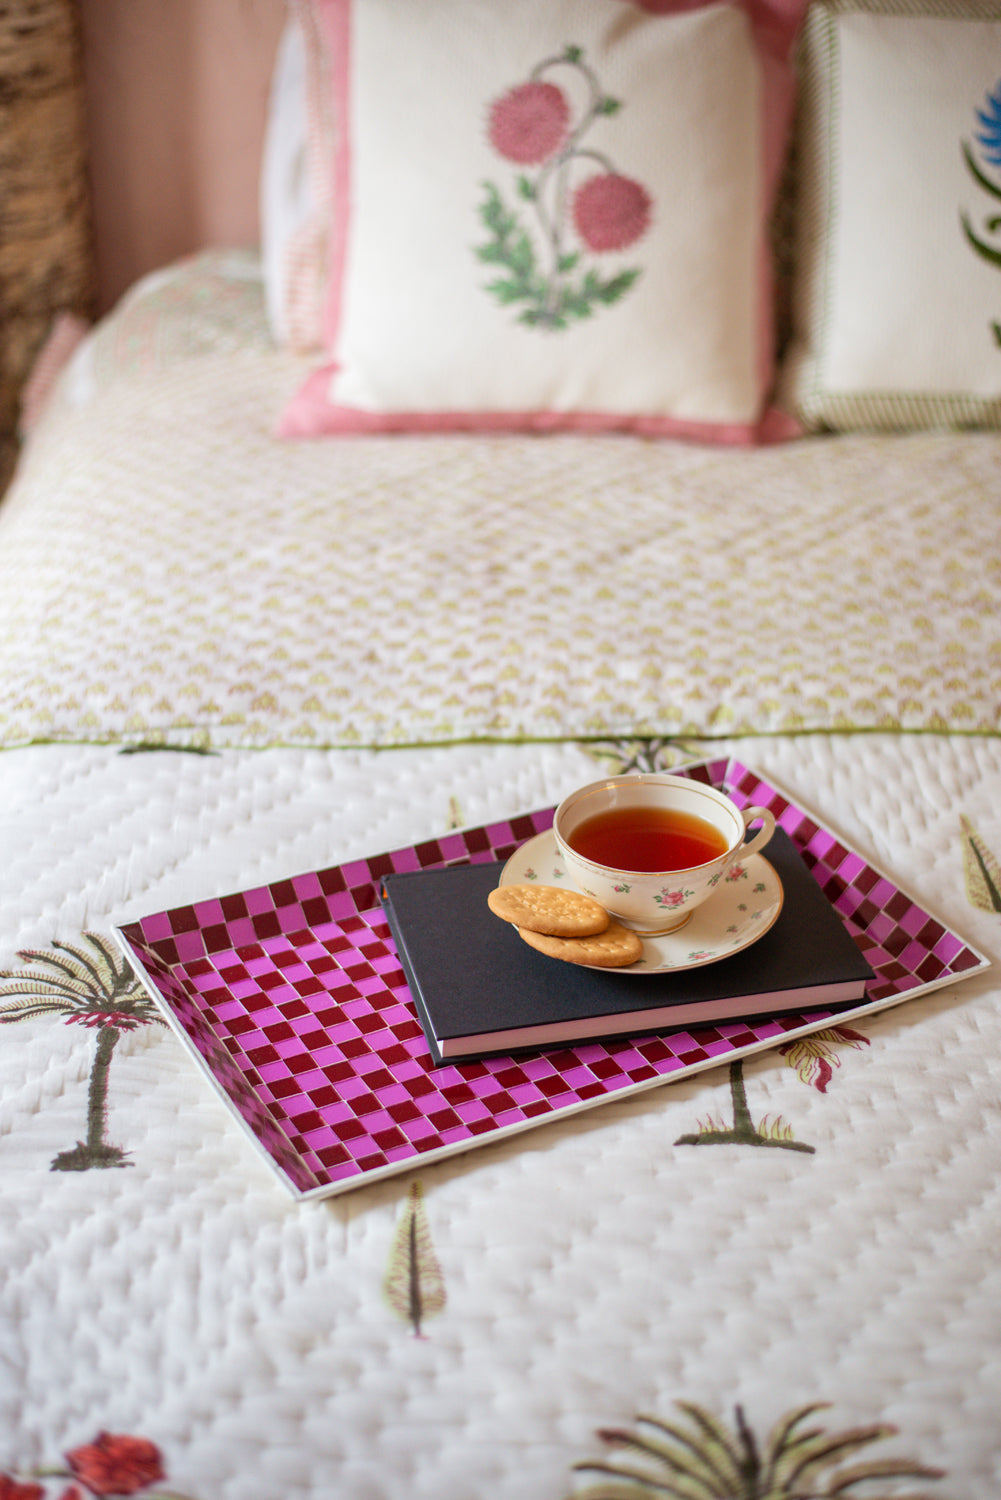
(672, 898)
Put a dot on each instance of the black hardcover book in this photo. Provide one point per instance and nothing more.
(480, 989)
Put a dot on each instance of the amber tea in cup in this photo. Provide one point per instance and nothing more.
(652, 847)
(647, 839)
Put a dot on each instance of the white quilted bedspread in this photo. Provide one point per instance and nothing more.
(172, 1323)
(593, 1269)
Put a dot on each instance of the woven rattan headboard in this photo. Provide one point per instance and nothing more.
(46, 258)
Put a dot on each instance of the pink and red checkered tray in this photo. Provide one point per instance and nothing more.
(291, 999)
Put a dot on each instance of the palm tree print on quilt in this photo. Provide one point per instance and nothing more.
(704, 1458)
(87, 985)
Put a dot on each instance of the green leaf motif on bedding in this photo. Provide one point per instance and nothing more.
(703, 1458)
(414, 1286)
(541, 270)
(981, 871)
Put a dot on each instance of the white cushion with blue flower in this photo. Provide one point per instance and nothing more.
(897, 289)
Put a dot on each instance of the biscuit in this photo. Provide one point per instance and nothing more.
(614, 948)
(548, 908)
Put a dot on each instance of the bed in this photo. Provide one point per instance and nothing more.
(278, 602)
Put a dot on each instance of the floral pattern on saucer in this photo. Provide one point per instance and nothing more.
(746, 905)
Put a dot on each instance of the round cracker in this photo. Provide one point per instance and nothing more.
(614, 948)
(548, 909)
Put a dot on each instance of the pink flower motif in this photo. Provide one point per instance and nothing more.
(611, 211)
(529, 123)
(116, 1465)
(817, 1053)
(671, 898)
(13, 1489)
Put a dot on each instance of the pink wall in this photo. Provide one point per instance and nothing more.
(176, 100)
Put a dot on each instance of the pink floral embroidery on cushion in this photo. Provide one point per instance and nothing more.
(543, 271)
(529, 123)
(611, 212)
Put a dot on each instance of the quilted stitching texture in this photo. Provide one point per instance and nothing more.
(593, 1269)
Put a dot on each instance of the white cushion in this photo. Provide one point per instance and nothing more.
(898, 260)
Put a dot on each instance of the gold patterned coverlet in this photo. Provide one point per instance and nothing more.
(171, 571)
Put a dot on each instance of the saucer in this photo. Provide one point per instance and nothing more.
(740, 911)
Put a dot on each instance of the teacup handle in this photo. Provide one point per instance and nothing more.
(755, 815)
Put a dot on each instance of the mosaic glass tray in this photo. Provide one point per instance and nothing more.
(291, 999)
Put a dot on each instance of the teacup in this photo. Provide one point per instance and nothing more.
(652, 847)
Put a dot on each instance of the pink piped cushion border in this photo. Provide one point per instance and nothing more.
(312, 414)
